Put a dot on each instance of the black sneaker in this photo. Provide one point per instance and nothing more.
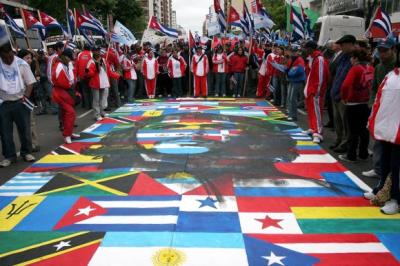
(344, 157)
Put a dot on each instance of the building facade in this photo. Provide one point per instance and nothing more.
(162, 9)
(174, 23)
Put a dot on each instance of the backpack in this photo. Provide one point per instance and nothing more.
(367, 78)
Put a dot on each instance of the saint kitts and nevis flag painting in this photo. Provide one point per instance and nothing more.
(69, 208)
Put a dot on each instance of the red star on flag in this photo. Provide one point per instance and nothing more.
(268, 222)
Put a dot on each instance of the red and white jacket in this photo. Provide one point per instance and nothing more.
(318, 77)
(61, 77)
(129, 67)
(266, 67)
(81, 63)
(50, 63)
(220, 63)
(176, 67)
(100, 79)
(384, 122)
(200, 67)
(150, 68)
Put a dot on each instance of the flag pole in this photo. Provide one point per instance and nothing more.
(246, 77)
(25, 28)
(190, 66)
(40, 19)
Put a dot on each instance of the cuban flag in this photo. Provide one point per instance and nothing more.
(33, 23)
(307, 24)
(103, 31)
(261, 18)
(154, 24)
(234, 18)
(247, 21)
(71, 23)
(50, 22)
(382, 21)
(13, 26)
(220, 15)
(85, 23)
(297, 22)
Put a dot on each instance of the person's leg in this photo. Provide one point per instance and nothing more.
(329, 105)
(115, 92)
(223, 84)
(22, 119)
(104, 102)
(277, 92)
(338, 125)
(179, 87)
(261, 86)
(385, 165)
(129, 91)
(96, 103)
(196, 83)
(377, 157)
(344, 126)
(364, 133)
(283, 92)
(6, 131)
(204, 86)
(395, 170)
(35, 138)
(312, 121)
(352, 120)
(241, 83)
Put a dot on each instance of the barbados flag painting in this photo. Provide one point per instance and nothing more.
(207, 182)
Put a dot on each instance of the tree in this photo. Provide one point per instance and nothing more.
(277, 11)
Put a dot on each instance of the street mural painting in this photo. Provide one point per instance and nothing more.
(192, 182)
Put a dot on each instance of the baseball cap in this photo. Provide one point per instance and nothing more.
(347, 39)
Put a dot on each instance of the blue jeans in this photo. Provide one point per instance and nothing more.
(131, 90)
(220, 83)
(177, 87)
(293, 96)
(377, 157)
(239, 77)
(279, 90)
(10, 113)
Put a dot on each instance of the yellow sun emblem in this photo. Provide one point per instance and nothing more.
(168, 257)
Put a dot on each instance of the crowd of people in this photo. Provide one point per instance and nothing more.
(358, 85)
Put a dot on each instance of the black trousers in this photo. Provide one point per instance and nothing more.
(357, 118)
(15, 112)
(390, 163)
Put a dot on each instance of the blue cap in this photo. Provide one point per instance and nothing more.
(387, 43)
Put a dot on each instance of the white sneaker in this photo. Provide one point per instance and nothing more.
(391, 207)
(6, 163)
(75, 136)
(307, 132)
(67, 140)
(216, 95)
(369, 195)
(29, 158)
(223, 95)
(316, 140)
(99, 118)
(370, 173)
(289, 119)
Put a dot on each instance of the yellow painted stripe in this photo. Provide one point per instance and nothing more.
(70, 158)
(59, 253)
(341, 213)
(17, 210)
(306, 143)
(55, 240)
(152, 113)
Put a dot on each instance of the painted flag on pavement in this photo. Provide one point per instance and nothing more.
(48, 248)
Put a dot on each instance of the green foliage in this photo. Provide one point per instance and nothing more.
(128, 12)
(277, 10)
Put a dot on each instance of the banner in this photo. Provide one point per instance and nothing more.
(213, 28)
(125, 33)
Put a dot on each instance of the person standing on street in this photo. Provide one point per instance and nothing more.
(315, 89)
(16, 83)
(200, 68)
(176, 69)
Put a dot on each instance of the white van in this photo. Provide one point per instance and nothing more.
(336, 26)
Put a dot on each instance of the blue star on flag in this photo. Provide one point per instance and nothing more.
(208, 202)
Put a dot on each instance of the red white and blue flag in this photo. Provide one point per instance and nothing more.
(297, 21)
(154, 24)
(220, 15)
(34, 23)
(85, 23)
(103, 31)
(382, 21)
(71, 23)
(247, 21)
(13, 25)
(261, 17)
(50, 22)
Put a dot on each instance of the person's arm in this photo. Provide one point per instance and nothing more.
(348, 84)
(28, 79)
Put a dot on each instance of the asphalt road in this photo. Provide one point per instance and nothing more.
(50, 138)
